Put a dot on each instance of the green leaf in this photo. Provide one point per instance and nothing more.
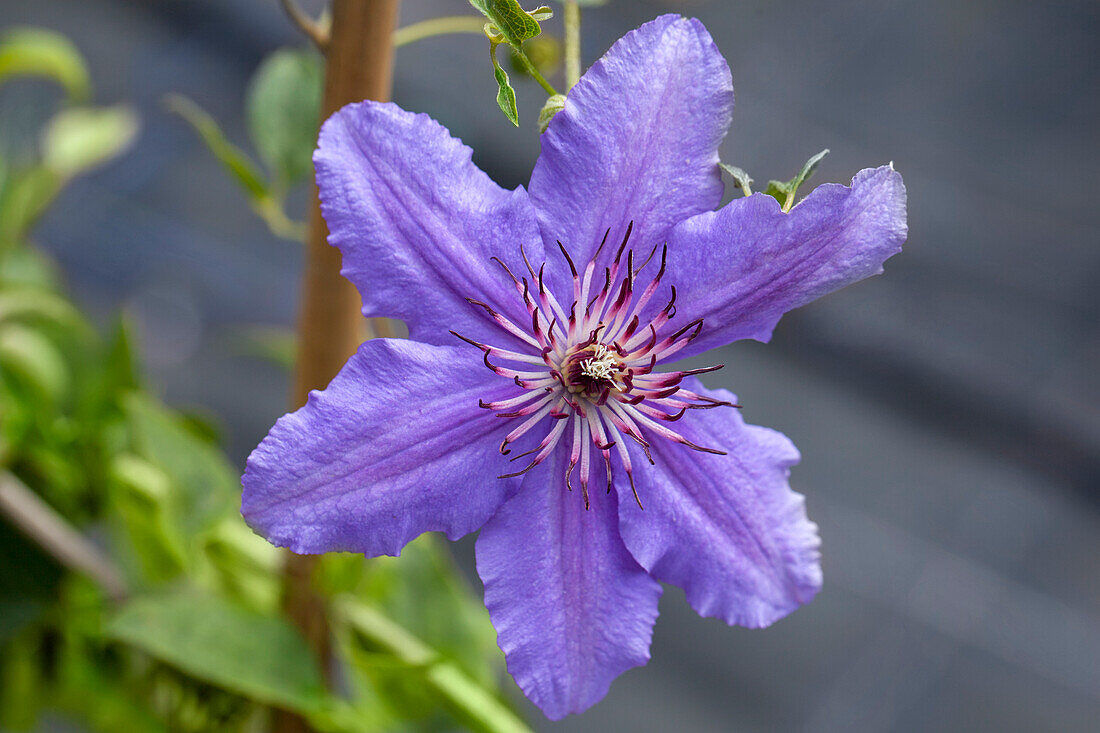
(740, 177)
(206, 487)
(24, 199)
(35, 361)
(40, 52)
(425, 589)
(121, 366)
(81, 138)
(283, 108)
(509, 17)
(141, 502)
(470, 702)
(257, 656)
(506, 95)
(426, 593)
(265, 203)
(27, 267)
(35, 305)
(232, 158)
(243, 565)
(784, 191)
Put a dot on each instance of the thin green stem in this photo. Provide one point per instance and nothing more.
(572, 43)
(530, 68)
(438, 27)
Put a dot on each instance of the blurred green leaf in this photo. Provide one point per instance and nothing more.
(425, 591)
(258, 656)
(784, 191)
(206, 487)
(40, 52)
(232, 158)
(283, 108)
(120, 368)
(27, 267)
(245, 566)
(35, 361)
(88, 679)
(24, 199)
(469, 701)
(141, 501)
(81, 138)
(265, 203)
(34, 305)
(506, 95)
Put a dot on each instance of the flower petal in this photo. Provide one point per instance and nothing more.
(417, 222)
(395, 446)
(727, 529)
(637, 141)
(571, 607)
(744, 266)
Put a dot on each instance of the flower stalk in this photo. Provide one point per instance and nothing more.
(572, 20)
(531, 69)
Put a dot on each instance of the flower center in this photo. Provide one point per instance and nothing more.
(591, 369)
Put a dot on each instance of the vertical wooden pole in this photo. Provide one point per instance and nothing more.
(359, 65)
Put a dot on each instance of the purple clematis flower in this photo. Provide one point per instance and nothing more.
(540, 323)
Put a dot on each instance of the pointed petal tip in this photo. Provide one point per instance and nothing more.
(571, 607)
(640, 131)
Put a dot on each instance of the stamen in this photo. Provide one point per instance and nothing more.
(593, 377)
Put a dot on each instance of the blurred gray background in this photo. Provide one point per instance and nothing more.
(948, 413)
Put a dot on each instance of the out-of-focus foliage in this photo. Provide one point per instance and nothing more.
(38, 52)
(200, 642)
(283, 108)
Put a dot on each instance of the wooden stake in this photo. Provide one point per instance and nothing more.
(359, 65)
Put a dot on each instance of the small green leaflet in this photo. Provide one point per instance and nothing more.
(784, 191)
(506, 95)
(740, 177)
(514, 23)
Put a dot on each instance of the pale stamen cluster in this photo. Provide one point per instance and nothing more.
(591, 369)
